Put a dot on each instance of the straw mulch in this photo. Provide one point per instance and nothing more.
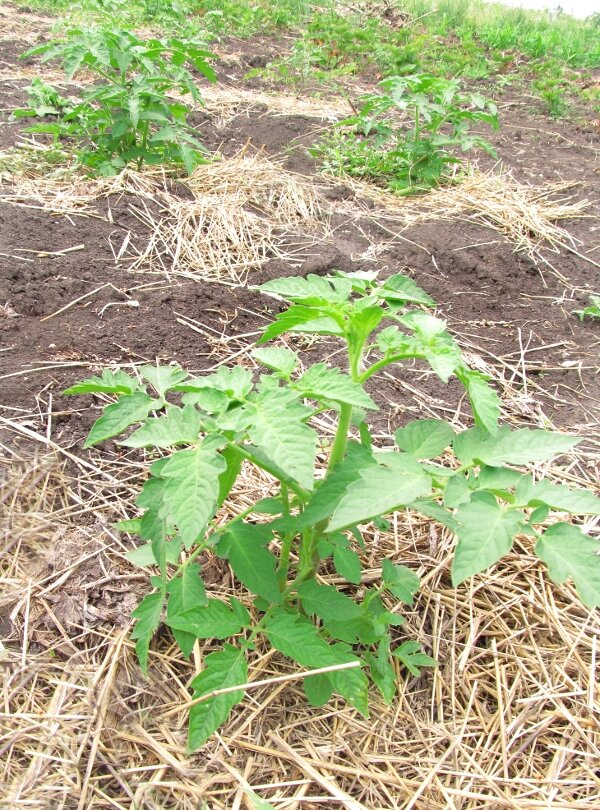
(509, 720)
(526, 215)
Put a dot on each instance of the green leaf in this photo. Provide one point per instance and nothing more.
(176, 426)
(164, 378)
(485, 402)
(557, 496)
(327, 602)
(144, 556)
(235, 381)
(222, 669)
(185, 640)
(347, 564)
(485, 534)
(404, 289)
(569, 553)
(277, 358)
(208, 399)
(457, 491)
(511, 447)
(394, 482)
(323, 383)
(425, 438)
(497, 478)
(297, 638)
(409, 654)
(233, 459)
(331, 490)
(192, 488)
(147, 615)
(252, 563)
(434, 510)
(300, 318)
(400, 581)
(257, 802)
(318, 689)
(111, 382)
(383, 674)
(193, 592)
(128, 409)
(278, 429)
(215, 619)
(329, 289)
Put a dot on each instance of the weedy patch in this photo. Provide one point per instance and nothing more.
(415, 153)
(282, 547)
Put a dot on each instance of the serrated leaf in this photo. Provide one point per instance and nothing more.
(111, 382)
(425, 438)
(252, 563)
(485, 402)
(404, 289)
(163, 378)
(278, 430)
(185, 640)
(409, 654)
(383, 673)
(192, 488)
(329, 289)
(176, 426)
(147, 615)
(236, 382)
(569, 553)
(144, 556)
(511, 447)
(400, 581)
(208, 399)
(391, 340)
(497, 478)
(222, 669)
(394, 482)
(128, 409)
(277, 358)
(327, 602)
(212, 620)
(557, 496)
(233, 460)
(300, 318)
(193, 591)
(323, 383)
(485, 534)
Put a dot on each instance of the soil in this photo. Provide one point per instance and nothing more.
(496, 300)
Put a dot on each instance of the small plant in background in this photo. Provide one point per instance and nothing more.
(44, 100)
(592, 310)
(406, 136)
(126, 115)
(283, 548)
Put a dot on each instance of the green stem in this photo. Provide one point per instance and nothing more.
(385, 361)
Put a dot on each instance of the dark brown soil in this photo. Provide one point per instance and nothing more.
(497, 301)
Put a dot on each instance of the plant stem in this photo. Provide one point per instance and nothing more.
(341, 437)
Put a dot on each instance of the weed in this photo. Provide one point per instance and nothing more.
(126, 115)
(281, 547)
(413, 155)
(592, 310)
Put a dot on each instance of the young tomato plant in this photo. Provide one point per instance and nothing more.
(406, 137)
(282, 548)
(126, 115)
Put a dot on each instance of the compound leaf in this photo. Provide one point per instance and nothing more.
(409, 654)
(510, 447)
(569, 553)
(222, 669)
(164, 378)
(277, 358)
